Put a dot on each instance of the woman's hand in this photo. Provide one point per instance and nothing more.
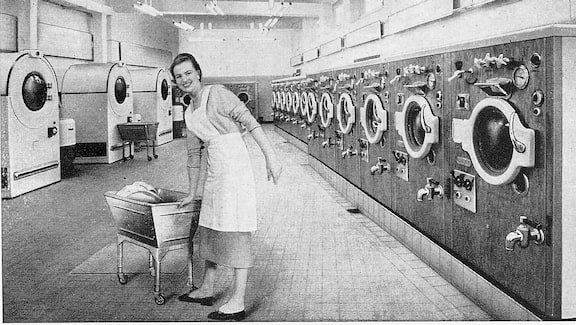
(274, 169)
(185, 201)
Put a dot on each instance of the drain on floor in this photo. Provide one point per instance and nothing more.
(353, 210)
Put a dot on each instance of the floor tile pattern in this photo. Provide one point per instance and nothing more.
(315, 258)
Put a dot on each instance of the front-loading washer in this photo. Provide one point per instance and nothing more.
(98, 96)
(30, 120)
(153, 100)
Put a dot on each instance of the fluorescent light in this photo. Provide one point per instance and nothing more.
(183, 25)
(210, 8)
(218, 10)
(147, 9)
(214, 8)
(274, 21)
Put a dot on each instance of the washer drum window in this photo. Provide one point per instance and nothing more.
(326, 110)
(497, 142)
(34, 91)
(312, 107)
(373, 118)
(346, 113)
(418, 126)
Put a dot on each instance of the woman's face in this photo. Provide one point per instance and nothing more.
(187, 78)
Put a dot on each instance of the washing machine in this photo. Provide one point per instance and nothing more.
(247, 92)
(312, 108)
(275, 103)
(290, 120)
(419, 150)
(329, 134)
(30, 120)
(347, 161)
(501, 164)
(376, 137)
(305, 125)
(280, 115)
(98, 96)
(153, 100)
(299, 125)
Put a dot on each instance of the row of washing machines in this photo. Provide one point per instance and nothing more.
(95, 96)
(462, 145)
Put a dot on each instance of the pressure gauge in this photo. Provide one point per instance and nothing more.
(521, 77)
(431, 81)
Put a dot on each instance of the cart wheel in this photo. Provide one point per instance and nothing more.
(124, 158)
(155, 156)
(160, 300)
(122, 278)
(131, 156)
(149, 158)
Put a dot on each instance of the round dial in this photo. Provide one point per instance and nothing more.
(521, 77)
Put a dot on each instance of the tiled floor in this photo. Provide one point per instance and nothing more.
(315, 261)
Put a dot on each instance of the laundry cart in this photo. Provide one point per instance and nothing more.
(158, 227)
(138, 132)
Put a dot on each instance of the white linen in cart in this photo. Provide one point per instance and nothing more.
(229, 200)
(140, 191)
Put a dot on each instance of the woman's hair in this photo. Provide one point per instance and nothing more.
(183, 57)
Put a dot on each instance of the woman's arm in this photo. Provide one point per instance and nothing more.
(194, 168)
(273, 165)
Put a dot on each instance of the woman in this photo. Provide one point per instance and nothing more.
(228, 212)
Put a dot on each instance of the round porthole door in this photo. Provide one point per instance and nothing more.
(346, 113)
(373, 118)
(244, 97)
(295, 102)
(32, 90)
(303, 104)
(120, 90)
(283, 101)
(312, 107)
(418, 126)
(326, 110)
(289, 102)
(498, 143)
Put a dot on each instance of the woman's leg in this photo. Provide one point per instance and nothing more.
(207, 287)
(236, 302)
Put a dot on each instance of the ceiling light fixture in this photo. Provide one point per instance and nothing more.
(276, 16)
(147, 9)
(214, 9)
(183, 25)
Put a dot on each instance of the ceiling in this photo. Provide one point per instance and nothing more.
(238, 14)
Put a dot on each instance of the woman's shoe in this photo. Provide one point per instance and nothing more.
(206, 301)
(217, 315)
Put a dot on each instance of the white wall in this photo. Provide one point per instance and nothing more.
(262, 56)
(491, 19)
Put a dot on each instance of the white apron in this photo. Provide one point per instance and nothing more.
(229, 200)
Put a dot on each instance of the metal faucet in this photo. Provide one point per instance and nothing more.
(431, 189)
(526, 232)
(327, 143)
(349, 152)
(380, 167)
(312, 135)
